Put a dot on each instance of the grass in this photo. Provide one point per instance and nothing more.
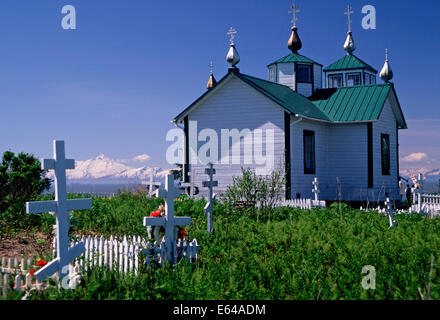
(298, 254)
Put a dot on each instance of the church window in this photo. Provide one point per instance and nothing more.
(353, 79)
(366, 78)
(309, 152)
(304, 73)
(335, 81)
(372, 79)
(385, 147)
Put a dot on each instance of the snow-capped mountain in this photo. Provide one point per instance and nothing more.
(105, 170)
(430, 174)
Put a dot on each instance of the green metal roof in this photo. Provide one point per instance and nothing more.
(285, 97)
(359, 103)
(346, 104)
(349, 62)
(294, 57)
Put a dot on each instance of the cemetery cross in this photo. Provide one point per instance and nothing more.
(210, 184)
(61, 206)
(169, 221)
(389, 210)
(315, 188)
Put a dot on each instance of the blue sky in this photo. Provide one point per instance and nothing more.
(113, 85)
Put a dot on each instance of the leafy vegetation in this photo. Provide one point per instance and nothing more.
(21, 180)
(297, 254)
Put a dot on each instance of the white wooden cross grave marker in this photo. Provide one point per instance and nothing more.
(419, 192)
(389, 210)
(152, 184)
(210, 184)
(169, 221)
(61, 206)
(315, 189)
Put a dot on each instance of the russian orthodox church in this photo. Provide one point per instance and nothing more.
(344, 129)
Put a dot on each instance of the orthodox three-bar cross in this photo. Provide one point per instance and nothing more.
(61, 206)
(232, 32)
(294, 11)
(315, 189)
(210, 184)
(169, 221)
(349, 12)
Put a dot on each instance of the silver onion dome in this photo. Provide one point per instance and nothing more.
(349, 45)
(386, 74)
(233, 57)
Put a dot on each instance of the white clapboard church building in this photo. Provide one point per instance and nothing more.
(334, 123)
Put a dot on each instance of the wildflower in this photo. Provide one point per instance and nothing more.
(155, 214)
(41, 263)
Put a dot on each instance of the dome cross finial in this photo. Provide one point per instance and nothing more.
(349, 12)
(294, 11)
(232, 57)
(386, 74)
(232, 32)
(349, 45)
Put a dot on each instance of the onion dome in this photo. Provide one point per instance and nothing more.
(232, 57)
(349, 45)
(211, 82)
(294, 43)
(386, 74)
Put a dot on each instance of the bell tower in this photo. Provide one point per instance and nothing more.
(296, 71)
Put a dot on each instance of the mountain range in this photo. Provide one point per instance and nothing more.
(104, 170)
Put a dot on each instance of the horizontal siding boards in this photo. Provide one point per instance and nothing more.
(237, 106)
(317, 76)
(348, 160)
(302, 183)
(286, 75)
(384, 183)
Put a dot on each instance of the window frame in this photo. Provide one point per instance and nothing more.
(333, 75)
(298, 65)
(385, 154)
(350, 74)
(309, 133)
(373, 76)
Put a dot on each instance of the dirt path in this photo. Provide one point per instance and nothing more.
(25, 244)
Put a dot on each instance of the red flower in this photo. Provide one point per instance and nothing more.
(41, 263)
(183, 233)
(155, 214)
(32, 271)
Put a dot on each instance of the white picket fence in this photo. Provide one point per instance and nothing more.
(430, 204)
(122, 253)
(301, 203)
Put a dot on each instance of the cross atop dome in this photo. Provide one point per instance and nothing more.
(232, 32)
(349, 45)
(294, 43)
(294, 11)
(349, 12)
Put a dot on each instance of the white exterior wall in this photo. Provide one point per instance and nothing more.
(317, 76)
(286, 74)
(236, 106)
(302, 183)
(383, 183)
(348, 161)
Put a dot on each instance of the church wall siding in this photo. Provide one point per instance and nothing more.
(286, 74)
(317, 78)
(237, 106)
(302, 183)
(387, 125)
(348, 161)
